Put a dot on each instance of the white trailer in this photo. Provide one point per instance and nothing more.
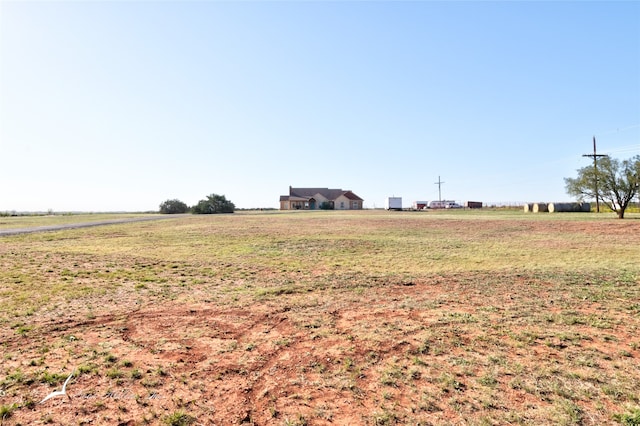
(444, 204)
(393, 203)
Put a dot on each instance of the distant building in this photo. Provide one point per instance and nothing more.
(393, 203)
(320, 198)
(419, 205)
(473, 204)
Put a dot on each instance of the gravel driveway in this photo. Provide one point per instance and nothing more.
(31, 230)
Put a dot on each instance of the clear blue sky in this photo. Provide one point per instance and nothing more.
(118, 105)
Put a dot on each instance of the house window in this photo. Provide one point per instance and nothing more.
(342, 204)
(354, 205)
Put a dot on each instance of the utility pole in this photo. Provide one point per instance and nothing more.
(439, 183)
(595, 156)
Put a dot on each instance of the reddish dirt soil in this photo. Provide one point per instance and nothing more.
(340, 362)
(440, 351)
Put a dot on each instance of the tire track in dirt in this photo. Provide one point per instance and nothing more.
(259, 362)
(230, 350)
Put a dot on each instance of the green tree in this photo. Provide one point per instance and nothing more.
(617, 182)
(173, 207)
(214, 203)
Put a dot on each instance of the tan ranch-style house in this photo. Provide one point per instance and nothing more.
(320, 198)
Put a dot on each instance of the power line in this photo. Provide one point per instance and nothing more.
(624, 149)
(618, 130)
(439, 183)
(595, 156)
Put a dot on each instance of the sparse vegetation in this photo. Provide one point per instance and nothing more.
(370, 317)
(6, 411)
(179, 418)
(630, 418)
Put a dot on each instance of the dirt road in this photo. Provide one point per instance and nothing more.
(34, 229)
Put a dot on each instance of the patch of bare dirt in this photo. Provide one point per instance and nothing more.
(437, 352)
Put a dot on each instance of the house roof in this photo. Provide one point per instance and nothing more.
(350, 195)
(307, 193)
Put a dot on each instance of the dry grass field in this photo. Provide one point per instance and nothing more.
(317, 318)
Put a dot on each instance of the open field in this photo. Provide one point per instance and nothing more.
(315, 318)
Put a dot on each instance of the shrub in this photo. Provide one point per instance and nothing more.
(326, 205)
(214, 204)
(173, 207)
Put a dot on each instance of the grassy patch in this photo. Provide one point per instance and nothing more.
(365, 317)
